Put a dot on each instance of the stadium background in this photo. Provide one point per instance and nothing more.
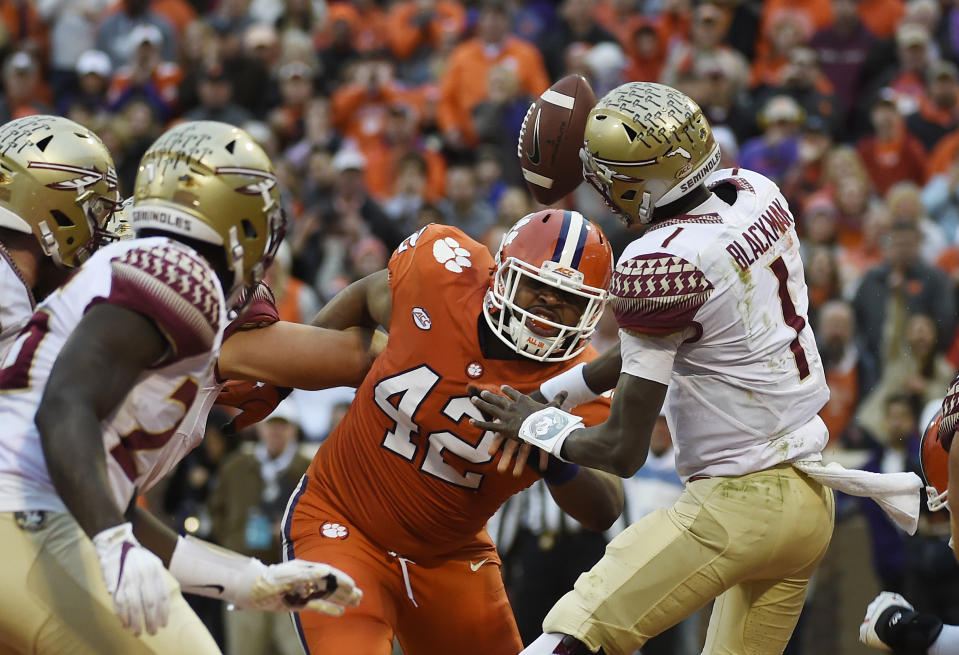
(382, 116)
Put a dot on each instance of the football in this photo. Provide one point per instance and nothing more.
(551, 137)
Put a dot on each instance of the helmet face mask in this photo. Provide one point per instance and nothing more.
(646, 145)
(211, 182)
(556, 249)
(58, 182)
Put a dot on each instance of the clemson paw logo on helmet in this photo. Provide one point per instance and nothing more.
(449, 253)
(334, 530)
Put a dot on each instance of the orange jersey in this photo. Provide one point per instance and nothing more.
(404, 465)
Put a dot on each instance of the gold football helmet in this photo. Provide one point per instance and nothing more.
(645, 146)
(211, 182)
(58, 182)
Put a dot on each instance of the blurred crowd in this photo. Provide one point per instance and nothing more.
(385, 115)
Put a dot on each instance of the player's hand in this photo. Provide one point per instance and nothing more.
(509, 412)
(135, 578)
(301, 585)
(255, 400)
(515, 452)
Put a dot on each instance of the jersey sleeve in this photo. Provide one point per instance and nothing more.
(657, 293)
(438, 255)
(173, 288)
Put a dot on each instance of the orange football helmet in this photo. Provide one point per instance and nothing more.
(934, 461)
(564, 250)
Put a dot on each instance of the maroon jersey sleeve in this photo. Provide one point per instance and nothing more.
(657, 293)
(174, 288)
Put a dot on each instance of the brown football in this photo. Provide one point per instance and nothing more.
(551, 137)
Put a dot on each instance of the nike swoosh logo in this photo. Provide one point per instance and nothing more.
(475, 567)
(218, 587)
(534, 156)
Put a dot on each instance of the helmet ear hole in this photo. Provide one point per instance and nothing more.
(62, 219)
(44, 142)
(629, 195)
(249, 231)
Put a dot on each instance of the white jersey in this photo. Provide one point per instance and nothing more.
(150, 431)
(714, 304)
(16, 303)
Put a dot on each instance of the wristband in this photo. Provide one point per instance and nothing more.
(573, 383)
(207, 570)
(559, 472)
(548, 428)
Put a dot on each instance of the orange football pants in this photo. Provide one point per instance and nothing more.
(459, 606)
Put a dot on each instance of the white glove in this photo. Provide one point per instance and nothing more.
(248, 583)
(299, 584)
(135, 578)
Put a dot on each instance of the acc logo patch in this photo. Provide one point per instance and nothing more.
(449, 253)
(421, 318)
(474, 370)
(334, 530)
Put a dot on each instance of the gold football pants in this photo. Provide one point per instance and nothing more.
(750, 542)
(55, 601)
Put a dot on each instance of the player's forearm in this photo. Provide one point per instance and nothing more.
(73, 449)
(593, 498)
(300, 356)
(620, 444)
(602, 373)
(153, 534)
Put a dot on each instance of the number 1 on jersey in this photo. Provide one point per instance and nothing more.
(790, 316)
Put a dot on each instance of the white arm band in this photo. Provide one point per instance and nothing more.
(548, 429)
(573, 383)
(207, 570)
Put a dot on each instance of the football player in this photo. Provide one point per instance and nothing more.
(711, 302)
(891, 622)
(401, 490)
(96, 398)
(58, 191)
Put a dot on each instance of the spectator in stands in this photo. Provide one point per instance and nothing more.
(776, 150)
(499, 117)
(296, 88)
(247, 503)
(463, 83)
(418, 27)
(916, 367)
(938, 112)
(215, 90)
(687, 63)
(904, 202)
(786, 29)
(940, 198)
(577, 24)
(462, 206)
(73, 28)
(146, 75)
(115, 35)
(646, 52)
(842, 49)
(807, 176)
(409, 192)
(891, 154)
(850, 372)
(89, 92)
(340, 219)
(901, 285)
(907, 77)
(802, 79)
(21, 88)
(401, 136)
